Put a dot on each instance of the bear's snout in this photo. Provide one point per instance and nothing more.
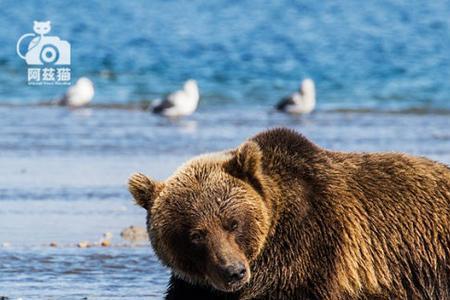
(234, 272)
(228, 268)
(231, 277)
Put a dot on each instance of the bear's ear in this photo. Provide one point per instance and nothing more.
(248, 158)
(144, 190)
(246, 163)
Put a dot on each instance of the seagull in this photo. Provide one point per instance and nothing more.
(300, 102)
(79, 94)
(179, 103)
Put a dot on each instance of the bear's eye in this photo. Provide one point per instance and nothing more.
(233, 225)
(197, 236)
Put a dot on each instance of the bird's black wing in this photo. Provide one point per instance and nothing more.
(288, 100)
(62, 101)
(165, 104)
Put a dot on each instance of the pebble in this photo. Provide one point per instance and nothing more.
(105, 243)
(83, 244)
(107, 235)
(134, 234)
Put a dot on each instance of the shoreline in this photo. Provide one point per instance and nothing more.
(143, 106)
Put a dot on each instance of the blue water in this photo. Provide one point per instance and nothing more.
(378, 55)
(382, 71)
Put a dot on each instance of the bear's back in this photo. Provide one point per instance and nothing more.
(386, 217)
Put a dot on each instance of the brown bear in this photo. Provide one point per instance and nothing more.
(281, 218)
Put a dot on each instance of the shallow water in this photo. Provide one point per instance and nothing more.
(64, 173)
(70, 273)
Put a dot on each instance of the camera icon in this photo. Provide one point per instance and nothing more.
(44, 49)
(49, 50)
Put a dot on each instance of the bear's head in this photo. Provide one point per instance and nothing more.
(209, 220)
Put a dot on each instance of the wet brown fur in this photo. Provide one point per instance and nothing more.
(329, 225)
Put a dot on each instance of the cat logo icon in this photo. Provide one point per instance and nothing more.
(42, 49)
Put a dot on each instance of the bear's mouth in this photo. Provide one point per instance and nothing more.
(233, 286)
(226, 285)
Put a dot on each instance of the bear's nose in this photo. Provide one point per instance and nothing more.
(235, 272)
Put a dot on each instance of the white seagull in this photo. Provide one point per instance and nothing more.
(79, 94)
(300, 102)
(179, 103)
